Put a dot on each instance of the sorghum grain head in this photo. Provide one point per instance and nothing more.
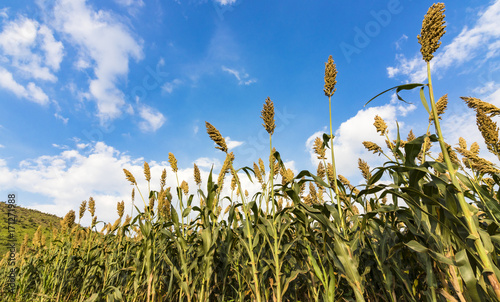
(268, 116)
(216, 137)
(172, 161)
(432, 31)
(330, 77)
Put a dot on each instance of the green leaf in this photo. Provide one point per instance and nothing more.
(467, 274)
(424, 101)
(398, 89)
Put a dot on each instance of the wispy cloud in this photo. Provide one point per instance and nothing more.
(31, 92)
(62, 118)
(105, 42)
(170, 86)
(232, 144)
(478, 42)
(3, 12)
(225, 2)
(152, 119)
(130, 2)
(31, 48)
(242, 77)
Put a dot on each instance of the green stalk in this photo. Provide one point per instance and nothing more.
(276, 249)
(483, 254)
(339, 207)
(250, 243)
(271, 173)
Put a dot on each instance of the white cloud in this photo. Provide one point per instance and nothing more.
(31, 92)
(31, 48)
(152, 119)
(242, 77)
(479, 41)
(2, 146)
(104, 40)
(62, 118)
(53, 49)
(3, 12)
(66, 179)
(169, 86)
(37, 94)
(7, 81)
(207, 163)
(232, 144)
(18, 37)
(225, 2)
(400, 41)
(130, 2)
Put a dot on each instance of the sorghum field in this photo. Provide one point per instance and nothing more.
(431, 234)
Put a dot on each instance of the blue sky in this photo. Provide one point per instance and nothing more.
(91, 87)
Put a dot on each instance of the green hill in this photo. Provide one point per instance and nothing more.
(27, 222)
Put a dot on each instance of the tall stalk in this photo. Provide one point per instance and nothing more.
(330, 81)
(478, 243)
(432, 31)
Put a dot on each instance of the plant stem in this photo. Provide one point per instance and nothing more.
(339, 207)
(481, 250)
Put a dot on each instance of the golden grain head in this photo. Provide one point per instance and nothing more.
(92, 206)
(319, 148)
(257, 173)
(147, 171)
(330, 77)
(226, 166)
(432, 31)
(365, 169)
(172, 161)
(94, 221)
(380, 125)
(129, 177)
(216, 137)
(120, 207)
(441, 104)
(83, 207)
(185, 187)
(312, 192)
(197, 175)
(127, 220)
(262, 167)
(475, 103)
(163, 178)
(320, 172)
(268, 116)
(489, 131)
(330, 173)
(287, 175)
(344, 180)
(151, 202)
(411, 136)
(370, 146)
(69, 220)
(462, 143)
(474, 148)
(227, 209)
